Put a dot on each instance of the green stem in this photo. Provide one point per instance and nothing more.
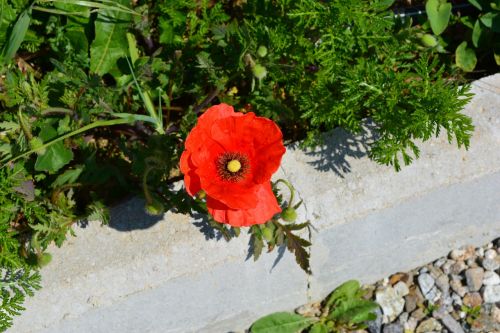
(290, 187)
(146, 99)
(68, 135)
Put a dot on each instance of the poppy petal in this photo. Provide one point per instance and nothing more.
(266, 208)
(191, 179)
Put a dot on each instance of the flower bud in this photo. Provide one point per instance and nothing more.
(289, 214)
(428, 40)
(259, 71)
(262, 51)
(267, 233)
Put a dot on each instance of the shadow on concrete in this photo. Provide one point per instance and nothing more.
(209, 230)
(340, 146)
(131, 215)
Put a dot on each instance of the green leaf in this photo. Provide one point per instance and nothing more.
(438, 12)
(110, 43)
(281, 322)
(319, 328)
(492, 21)
(465, 57)
(298, 246)
(383, 4)
(346, 290)
(478, 33)
(354, 311)
(56, 155)
(16, 36)
(496, 54)
(68, 177)
(476, 4)
(132, 44)
(467, 21)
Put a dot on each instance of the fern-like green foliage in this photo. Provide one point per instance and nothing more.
(15, 285)
(327, 64)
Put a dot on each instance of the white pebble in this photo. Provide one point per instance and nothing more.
(490, 254)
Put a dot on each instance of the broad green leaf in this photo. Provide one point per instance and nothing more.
(110, 43)
(56, 155)
(465, 57)
(492, 21)
(319, 328)
(354, 311)
(16, 36)
(281, 322)
(438, 12)
(345, 291)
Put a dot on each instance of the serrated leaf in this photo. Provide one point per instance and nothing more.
(56, 155)
(257, 245)
(465, 57)
(16, 36)
(110, 43)
(296, 226)
(438, 12)
(297, 246)
(281, 322)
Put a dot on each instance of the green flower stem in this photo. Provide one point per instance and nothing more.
(290, 187)
(148, 104)
(99, 123)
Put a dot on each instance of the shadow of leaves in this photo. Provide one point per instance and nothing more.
(340, 146)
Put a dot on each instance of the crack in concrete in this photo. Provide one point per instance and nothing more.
(308, 218)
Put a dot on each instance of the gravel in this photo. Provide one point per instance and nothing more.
(454, 294)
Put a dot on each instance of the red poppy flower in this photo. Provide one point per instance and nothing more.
(232, 156)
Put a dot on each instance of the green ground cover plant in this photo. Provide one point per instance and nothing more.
(470, 36)
(344, 310)
(97, 98)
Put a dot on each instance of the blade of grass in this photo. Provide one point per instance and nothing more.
(98, 123)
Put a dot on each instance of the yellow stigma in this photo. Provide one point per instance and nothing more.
(233, 166)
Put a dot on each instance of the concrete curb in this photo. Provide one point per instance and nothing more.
(163, 275)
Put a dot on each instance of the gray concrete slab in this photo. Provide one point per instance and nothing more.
(147, 274)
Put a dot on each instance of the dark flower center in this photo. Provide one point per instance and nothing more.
(232, 166)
